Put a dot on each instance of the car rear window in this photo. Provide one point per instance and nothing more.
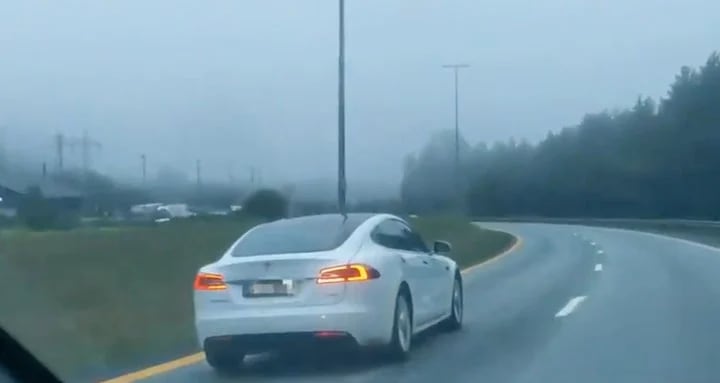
(298, 235)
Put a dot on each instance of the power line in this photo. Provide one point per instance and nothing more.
(85, 143)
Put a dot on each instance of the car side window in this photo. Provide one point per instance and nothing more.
(396, 235)
(415, 240)
(391, 234)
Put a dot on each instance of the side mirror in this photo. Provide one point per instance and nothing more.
(441, 247)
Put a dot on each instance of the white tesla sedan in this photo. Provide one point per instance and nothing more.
(359, 279)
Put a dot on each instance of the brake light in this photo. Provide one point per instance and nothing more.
(347, 273)
(330, 334)
(209, 281)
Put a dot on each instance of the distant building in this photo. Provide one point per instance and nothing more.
(14, 186)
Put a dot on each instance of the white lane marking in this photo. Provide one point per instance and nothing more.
(658, 236)
(570, 306)
(598, 267)
(600, 252)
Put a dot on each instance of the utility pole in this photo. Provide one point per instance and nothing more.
(458, 188)
(197, 175)
(85, 143)
(342, 185)
(143, 159)
(60, 148)
(3, 149)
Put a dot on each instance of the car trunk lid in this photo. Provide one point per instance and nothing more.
(286, 280)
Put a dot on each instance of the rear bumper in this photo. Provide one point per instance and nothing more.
(276, 328)
(299, 341)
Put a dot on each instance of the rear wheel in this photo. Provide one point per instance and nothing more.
(224, 361)
(399, 347)
(454, 321)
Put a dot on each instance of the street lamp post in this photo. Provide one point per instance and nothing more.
(143, 160)
(198, 180)
(342, 185)
(456, 69)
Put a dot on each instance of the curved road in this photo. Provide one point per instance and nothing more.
(572, 304)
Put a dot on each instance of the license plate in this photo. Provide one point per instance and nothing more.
(269, 288)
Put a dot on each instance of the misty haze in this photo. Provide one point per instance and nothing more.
(242, 84)
(402, 191)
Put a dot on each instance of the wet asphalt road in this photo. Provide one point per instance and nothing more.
(572, 304)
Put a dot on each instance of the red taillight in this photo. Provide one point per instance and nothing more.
(330, 334)
(209, 281)
(347, 273)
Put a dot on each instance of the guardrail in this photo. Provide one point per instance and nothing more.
(704, 231)
(608, 221)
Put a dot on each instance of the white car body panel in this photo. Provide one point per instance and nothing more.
(365, 309)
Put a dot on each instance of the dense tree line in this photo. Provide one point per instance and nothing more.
(656, 159)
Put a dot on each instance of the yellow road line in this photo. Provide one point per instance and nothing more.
(200, 356)
(515, 246)
(159, 369)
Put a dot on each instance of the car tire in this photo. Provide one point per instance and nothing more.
(402, 333)
(224, 361)
(454, 321)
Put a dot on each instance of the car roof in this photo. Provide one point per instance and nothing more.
(349, 223)
(355, 226)
(350, 219)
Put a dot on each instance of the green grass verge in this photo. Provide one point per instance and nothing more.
(94, 300)
(470, 243)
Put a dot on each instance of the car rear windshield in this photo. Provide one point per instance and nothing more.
(298, 235)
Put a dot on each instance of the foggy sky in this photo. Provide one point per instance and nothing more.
(253, 82)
